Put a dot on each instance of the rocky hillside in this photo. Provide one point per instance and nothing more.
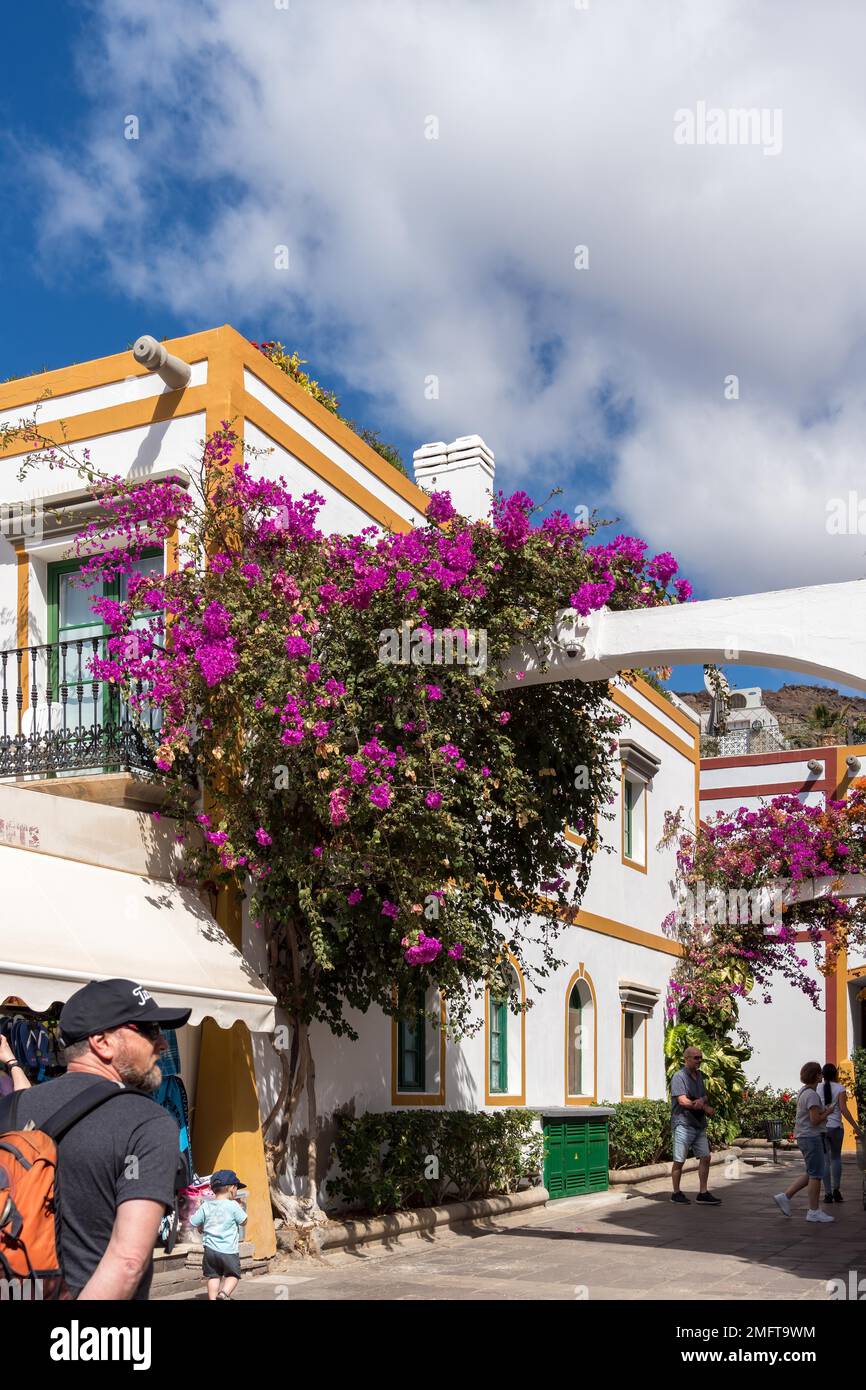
(794, 702)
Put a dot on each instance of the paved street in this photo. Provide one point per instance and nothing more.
(618, 1245)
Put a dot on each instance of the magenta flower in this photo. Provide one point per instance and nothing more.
(433, 800)
(263, 837)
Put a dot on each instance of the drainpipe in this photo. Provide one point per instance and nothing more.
(152, 355)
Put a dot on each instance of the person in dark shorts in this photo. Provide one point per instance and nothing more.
(116, 1168)
(221, 1220)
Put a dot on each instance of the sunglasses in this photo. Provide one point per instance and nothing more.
(147, 1030)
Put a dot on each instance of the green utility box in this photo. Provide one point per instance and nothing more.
(575, 1150)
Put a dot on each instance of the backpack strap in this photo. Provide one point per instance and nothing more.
(69, 1114)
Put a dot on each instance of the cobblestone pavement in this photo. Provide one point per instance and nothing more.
(619, 1245)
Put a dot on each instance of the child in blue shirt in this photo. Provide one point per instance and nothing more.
(221, 1220)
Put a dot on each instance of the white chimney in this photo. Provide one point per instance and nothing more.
(463, 468)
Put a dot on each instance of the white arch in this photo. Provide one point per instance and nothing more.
(820, 631)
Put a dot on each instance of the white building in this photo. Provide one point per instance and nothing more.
(594, 1034)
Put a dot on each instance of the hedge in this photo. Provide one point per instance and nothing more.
(401, 1159)
(640, 1133)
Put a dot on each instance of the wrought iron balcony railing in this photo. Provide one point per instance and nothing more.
(56, 718)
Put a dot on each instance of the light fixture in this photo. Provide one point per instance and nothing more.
(815, 766)
(152, 355)
(852, 764)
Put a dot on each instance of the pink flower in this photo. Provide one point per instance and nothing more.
(263, 837)
(433, 800)
(354, 897)
(389, 909)
(424, 952)
(504, 717)
(380, 796)
(456, 951)
(338, 802)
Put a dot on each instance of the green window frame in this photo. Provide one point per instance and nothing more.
(498, 1047)
(412, 1051)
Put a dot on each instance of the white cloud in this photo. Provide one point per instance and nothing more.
(306, 126)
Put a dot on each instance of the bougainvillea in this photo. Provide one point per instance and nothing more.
(738, 880)
(393, 826)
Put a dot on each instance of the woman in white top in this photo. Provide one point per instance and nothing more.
(833, 1093)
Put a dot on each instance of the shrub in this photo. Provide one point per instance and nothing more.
(858, 1064)
(760, 1103)
(413, 1158)
(640, 1133)
(721, 1068)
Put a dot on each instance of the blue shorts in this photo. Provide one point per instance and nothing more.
(694, 1139)
(812, 1149)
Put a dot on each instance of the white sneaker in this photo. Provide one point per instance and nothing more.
(783, 1203)
(818, 1215)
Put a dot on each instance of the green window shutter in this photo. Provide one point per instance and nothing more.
(498, 1079)
(411, 1053)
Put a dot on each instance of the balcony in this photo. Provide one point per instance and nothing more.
(60, 726)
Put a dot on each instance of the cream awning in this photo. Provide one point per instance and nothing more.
(64, 923)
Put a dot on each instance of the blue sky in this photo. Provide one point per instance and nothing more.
(455, 255)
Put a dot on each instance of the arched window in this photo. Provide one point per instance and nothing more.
(498, 1047)
(505, 1041)
(580, 1038)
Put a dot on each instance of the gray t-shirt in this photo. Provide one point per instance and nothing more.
(684, 1084)
(803, 1127)
(94, 1171)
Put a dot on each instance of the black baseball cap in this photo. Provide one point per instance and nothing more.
(225, 1177)
(105, 1004)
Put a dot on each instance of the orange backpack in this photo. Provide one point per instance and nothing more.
(30, 1194)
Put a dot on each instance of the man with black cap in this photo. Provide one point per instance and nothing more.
(117, 1165)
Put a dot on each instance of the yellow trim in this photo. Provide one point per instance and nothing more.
(331, 472)
(580, 974)
(633, 709)
(400, 1098)
(606, 926)
(666, 706)
(100, 371)
(513, 1098)
(295, 396)
(22, 617)
(633, 863)
(114, 419)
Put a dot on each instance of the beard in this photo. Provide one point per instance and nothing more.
(141, 1078)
